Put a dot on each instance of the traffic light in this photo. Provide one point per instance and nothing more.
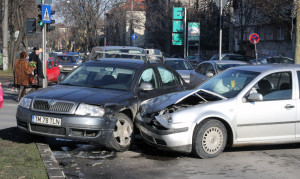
(30, 26)
(40, 23)
(49, 27)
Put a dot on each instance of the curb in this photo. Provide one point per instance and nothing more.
(50, 163)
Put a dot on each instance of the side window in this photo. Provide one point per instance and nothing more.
(49, 64)
(201, 68)
(210, 69)
(168, 78)
(148, 76)
(276, 86)
(55, 63)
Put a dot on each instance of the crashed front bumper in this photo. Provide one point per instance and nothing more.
(81, 128)
(175, 139)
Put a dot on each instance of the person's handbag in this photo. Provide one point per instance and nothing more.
(33, 80)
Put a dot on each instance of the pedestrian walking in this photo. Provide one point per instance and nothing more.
(38, 72)
(22, 74)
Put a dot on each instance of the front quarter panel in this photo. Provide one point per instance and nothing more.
(223, 110)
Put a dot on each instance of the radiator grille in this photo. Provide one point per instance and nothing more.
(55, 106)
(48, 129)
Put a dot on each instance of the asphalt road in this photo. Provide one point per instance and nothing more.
(81, 160)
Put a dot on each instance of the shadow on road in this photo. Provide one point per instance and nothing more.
(13, 134)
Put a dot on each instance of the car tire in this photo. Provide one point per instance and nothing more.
(123, 134)
(209, 139)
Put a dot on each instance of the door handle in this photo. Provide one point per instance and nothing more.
(288, 106)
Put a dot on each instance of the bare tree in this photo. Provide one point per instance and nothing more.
(84, 18)
(19, 10)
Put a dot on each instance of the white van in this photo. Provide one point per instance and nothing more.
(117, 52)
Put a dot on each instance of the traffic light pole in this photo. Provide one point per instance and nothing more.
(44, 32)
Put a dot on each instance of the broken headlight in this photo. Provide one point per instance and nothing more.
(165, 120)
(89, 110)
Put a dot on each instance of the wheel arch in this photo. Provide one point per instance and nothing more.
(225, 123)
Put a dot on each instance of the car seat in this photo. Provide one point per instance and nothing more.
(108, 80)
(264, 87)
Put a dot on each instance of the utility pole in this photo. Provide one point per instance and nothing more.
(4, 34)
(220, 42)
(131, 23)
(231, 26)
(297, 50)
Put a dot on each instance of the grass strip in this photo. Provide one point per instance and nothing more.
(19, 156)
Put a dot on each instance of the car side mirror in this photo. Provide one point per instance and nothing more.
(255, 97)
(209, 74)
(146, 86)
(61, 77)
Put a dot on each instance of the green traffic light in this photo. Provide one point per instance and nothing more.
(41, 23)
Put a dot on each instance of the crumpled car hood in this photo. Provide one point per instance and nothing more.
(158, 103)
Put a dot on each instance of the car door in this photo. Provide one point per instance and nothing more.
(273, 118)
(170, 80)
(50, 70)
(56, 70)
(148, 75)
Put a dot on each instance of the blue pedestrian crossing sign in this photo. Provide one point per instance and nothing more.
(46, 13)
(133, 37)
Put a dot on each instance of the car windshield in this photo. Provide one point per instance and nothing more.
(67, 59)
(179, 65)
(224, 66)
(229, 83)
(101, 76)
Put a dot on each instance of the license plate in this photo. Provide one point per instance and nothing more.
(46, 120)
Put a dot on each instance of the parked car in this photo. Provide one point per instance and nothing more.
(208, 69)
(183, 67)
(154, 55)
(128, 52)
(246, 105)
(230, 56)
(272, 60)
(97, 102)
(1, 95)
(67, 62)
(52, 70)
(196, 59)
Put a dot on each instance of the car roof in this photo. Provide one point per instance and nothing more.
(69, 55)
(169, 59)
(137, 63)
(268, 68)
(227, 62)
(115, 47)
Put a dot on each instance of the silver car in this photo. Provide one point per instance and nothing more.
(183, 67)
(208, 69)
(246, 105)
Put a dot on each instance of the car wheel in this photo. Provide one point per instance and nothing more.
(122, 136)
(209, 139)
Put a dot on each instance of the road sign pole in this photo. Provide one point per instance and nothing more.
(44, 32)
(184, 31)
(255, 51)
(220, 42)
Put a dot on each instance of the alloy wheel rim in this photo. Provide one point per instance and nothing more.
(212, 140)
(123, 132)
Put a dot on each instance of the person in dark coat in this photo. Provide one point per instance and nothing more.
(39, 66)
